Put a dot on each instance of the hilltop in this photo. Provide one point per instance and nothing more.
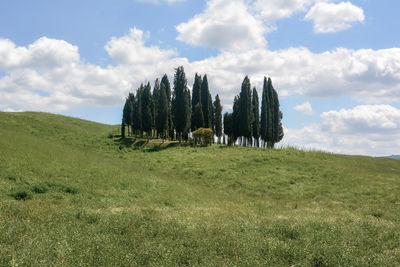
(72, 194)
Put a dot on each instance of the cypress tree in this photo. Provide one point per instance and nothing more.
(147, 114)
(211, 112)
(181, 103)
(137, 112)
(218, 118)
(198, 118)
(206, 103)
(245, 110)
(126, 120)
(236, 119)
(196, 98)
(188, 117)
(263, 120)
(156, 93)
(131, 100)
(277, 128)
(167, 85)
(228, 127)
(162, 114)
(123, 129)
(271, 129)
(256, 118)
(270, 114)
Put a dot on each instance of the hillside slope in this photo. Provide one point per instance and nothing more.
(72, 196)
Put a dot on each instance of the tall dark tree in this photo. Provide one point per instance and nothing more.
(147, 114)
(206, 103)
(271, 126)
(196, 98)
(156, 93)
(245, 110)
(218, 118)
(162, 114)
(277, 127)
(211, 111)
(126, 116)
(188, 104)
(236, 132)
(256, 118)
(123, 129)
(167, 85)
(180, 103)
(228, 127)
(198, 118)
(131, 99)
(137, 112)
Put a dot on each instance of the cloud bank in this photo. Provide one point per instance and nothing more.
(49, 74)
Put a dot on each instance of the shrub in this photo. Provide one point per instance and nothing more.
(203, 136)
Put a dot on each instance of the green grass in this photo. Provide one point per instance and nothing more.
(72, 196)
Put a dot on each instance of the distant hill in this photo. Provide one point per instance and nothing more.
(394, 157)
(73, 194)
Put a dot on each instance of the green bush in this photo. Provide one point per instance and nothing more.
(203, 136)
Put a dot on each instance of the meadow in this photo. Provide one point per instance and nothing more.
(73, 194)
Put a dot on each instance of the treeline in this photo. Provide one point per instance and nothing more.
(174, 114)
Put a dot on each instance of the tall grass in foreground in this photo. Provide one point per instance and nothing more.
(72, 196)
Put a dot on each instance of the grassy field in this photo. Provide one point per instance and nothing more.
(73, 195)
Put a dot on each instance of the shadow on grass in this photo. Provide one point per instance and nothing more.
(161, 146)
(146, 146)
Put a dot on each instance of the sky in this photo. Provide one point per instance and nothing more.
(335, 64)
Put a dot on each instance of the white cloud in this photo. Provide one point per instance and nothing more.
(54, 67)
(329, 17)
(305, 108)
(131, 49)
(44, 53)
(366, 129)
(271, 10)
(243, 24)
(225, 25)
(363, 119)
(371, 76)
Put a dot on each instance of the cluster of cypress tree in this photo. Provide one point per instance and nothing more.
(174, 114)
(244, 124)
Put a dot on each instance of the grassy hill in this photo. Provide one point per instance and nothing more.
(70, 195)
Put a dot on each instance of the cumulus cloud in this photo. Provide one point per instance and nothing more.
(363, 119)
(44, 53)
(305, 108)
(242, 25)
(225, 25)
(277, 9)
(55, 67)
(365, 75)
(330, 17)
(131, 49)
(366, 129)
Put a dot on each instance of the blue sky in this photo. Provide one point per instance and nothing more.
(335, 64)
